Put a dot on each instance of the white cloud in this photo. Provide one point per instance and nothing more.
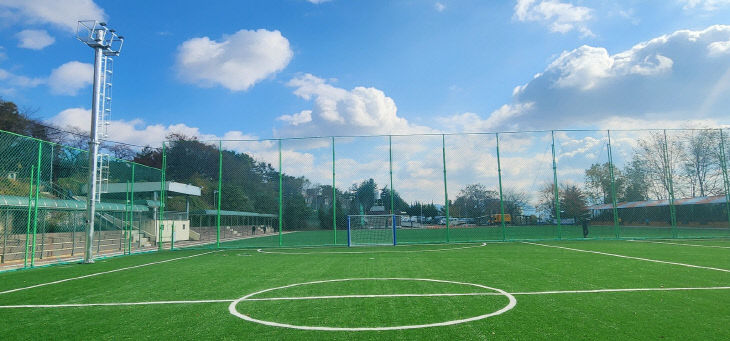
(10, 82)
(559, 16)
(296, 119)
(719, 48)
(62, 14)
(339, 111)
(34, 39)
(707, 5)
(236, 62)
(439, 7)
(674, 77)
(71, 77)
(317, 2)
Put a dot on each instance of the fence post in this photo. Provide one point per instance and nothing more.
(280, 195)
(27, 226)
(726, 180)
(446, 192)
(556, 189)
(334, 195)
(220, 189)
(131, 211)
(501, 198)
(668, 174)
(162, 197)
(127, 231)
(390, 162)
(35, 201)
(613, 187)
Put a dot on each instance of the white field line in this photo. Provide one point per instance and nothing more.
(682, 244)
(369, 252)
(75, 305)
(103, 273)
(631, 257)
(553, 292)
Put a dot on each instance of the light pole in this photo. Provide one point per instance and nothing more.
(105, 42)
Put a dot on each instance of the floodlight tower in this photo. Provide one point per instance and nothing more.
(106, 43)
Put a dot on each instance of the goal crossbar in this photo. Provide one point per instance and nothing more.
(372, 229)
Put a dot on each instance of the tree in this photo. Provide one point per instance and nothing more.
(514, 201)
(399, 205)
(475, 200)
(701, 163)
(572, 202)
(599, 189)
(660, 156)
(636, 178)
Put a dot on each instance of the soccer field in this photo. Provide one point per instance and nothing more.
(620, 289)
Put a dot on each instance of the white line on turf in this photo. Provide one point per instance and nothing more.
(631, 257)
(553, 292)
(103, 272)
(511, 304)
(369, 252)
(76, 305)
(682, 244)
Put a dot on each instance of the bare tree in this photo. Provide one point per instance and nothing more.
(701, 163)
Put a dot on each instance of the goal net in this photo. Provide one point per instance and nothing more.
(372, 229)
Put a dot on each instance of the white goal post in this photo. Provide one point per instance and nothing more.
(372, 229)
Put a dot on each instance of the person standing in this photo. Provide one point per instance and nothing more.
(585, 227)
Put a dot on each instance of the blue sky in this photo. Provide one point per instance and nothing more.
(436, 60)
(281, 68)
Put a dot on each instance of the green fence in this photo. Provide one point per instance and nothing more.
(446, 188)
(43, 189)
(541, 185)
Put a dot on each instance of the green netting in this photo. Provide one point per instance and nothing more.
(43, 200)
(299, 192)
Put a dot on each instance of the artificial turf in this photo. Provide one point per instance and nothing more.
(519, 268)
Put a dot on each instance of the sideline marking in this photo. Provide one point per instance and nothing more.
(683, 244)
(631, 257)
(367, 252)
(553, 292)
(511, 304)
(103, 272)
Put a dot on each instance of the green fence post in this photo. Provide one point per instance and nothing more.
(131, 211)
(280, 195)
(501, 200)
(127, 233)
(334, 195)
(726, 180)
(668, 174)
(220, 189)
(27, 226)
(390, 162)
(613, 187)
(35, 200)
(162, 197)
(172, 237)
(446, 192)
(556, 188)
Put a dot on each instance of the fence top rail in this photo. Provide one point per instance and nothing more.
(71, 148)
(460, 134)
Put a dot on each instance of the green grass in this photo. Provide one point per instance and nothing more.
(480, 233)
(514, 267)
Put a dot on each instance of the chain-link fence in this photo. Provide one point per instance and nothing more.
(43, 201)
(542, 185)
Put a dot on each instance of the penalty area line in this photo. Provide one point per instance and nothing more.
(551, 292)
(369, 252)
(631, 257)
(103, 273)
(682, 244)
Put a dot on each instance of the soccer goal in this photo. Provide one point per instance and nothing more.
(372, 229)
